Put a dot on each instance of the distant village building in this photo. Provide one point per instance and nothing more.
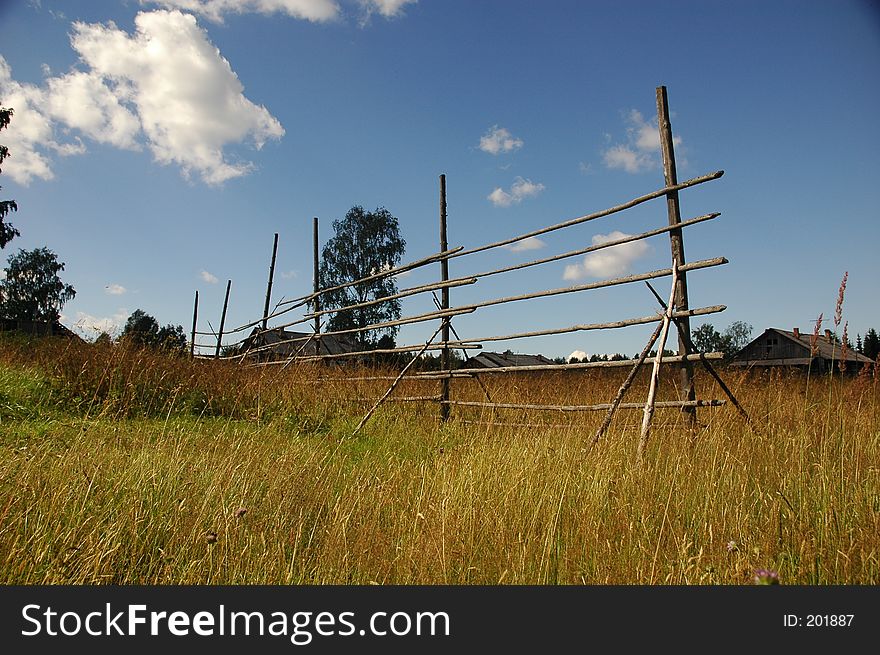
(777, 347)
(505, 359)
(277, 343)
(37, 328)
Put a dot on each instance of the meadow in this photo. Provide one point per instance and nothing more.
(127, 466)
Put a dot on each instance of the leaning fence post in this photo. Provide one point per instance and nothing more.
(316, 305)
(686, 371)
(444, 303)
(269, 286)
(192, 345)
(222, 319)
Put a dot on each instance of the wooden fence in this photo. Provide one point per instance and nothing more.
(674, 311)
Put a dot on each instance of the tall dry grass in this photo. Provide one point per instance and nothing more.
(133, 467)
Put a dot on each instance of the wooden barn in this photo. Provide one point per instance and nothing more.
(777, 347)
(505, 359)
(278, 343)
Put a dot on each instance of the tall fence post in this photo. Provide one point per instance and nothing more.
(316, 305)
(269, 286)
(686, 371)
(222, 319)
(192, 345)
(444, 305)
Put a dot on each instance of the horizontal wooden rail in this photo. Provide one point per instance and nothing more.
(598, 246)
(418, 318)
(470, 372)
(639, 277)
(362, 353)
(306, 299)
(586, 408)
(701, 311)
(590, 217)
(401, 294)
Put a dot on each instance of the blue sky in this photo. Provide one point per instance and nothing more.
(158, 146)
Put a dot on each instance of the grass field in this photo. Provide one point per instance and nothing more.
(120, 466)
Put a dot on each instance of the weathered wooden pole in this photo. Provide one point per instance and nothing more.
(444, 304)
(192, 345)
(316, 305)
(222, 320)
(686, 371)
(269, 286)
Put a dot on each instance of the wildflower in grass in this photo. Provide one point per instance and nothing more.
(732, 546)
(838, 311)
(765, 576)
(814, 340)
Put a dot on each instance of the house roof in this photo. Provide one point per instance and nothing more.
(37, 328)
(288, 343)
(497, 360)
(826, 350)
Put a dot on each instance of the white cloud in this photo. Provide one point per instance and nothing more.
(625, 157)
(531, 243)
(83, 101)
(92, 326)
(519, 190)
(317, 11)
(166, 84)
(387, 8)
(189, 100)
(115, 289)
(639, 153)
(289, 275)
(208, 277)
(29, 129)
(577, 354)
(498, 140)
(610, 262)
(69, 149)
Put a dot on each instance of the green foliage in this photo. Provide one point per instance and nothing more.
(32, 290)
(736, 337)
(171, 337)
(141, 329)
(364, 244)
(431, 361)
(104, 339)
(24, 394)
(7, 231)
(707, 339)
(871, 344)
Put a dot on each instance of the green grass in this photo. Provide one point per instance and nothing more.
(110, 473)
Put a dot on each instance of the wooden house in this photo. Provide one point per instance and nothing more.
(277, 343)
(777, 347)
